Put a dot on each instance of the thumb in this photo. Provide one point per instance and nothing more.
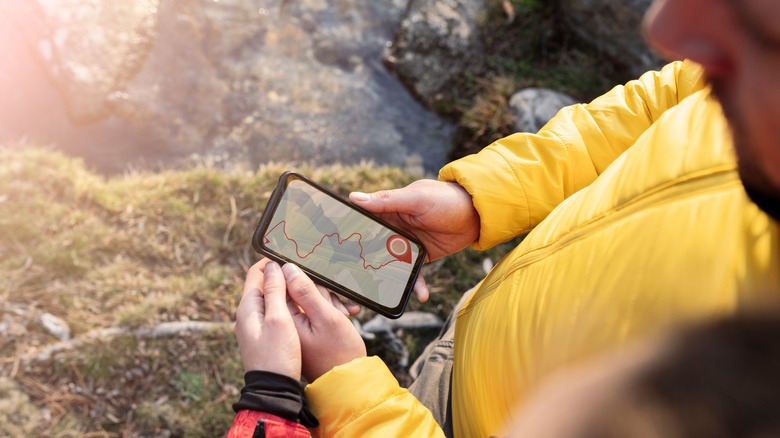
(274, 291)
(383, 201)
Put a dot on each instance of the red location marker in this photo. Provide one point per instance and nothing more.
(399, 248)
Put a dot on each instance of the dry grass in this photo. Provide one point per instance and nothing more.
(132, 252)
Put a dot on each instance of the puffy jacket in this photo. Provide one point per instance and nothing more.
(256, 424)
(637, 221)
(363, 399)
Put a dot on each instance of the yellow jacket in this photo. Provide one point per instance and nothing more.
(637, 220)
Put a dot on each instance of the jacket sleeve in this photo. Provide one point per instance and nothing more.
(516, 181)
(246, 423)
(362, 398)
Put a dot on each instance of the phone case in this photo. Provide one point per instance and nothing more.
(399, 255)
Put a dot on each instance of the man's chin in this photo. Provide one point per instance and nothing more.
(765, 200)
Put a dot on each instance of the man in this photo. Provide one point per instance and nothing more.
(637, 220)
(738, 45)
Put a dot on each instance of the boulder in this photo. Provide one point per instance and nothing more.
(91, 48)
(436, 41)
(224, 81)
(531, 108)
(614, 28)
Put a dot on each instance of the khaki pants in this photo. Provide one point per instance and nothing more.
(432, 371)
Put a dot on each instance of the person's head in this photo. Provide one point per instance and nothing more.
(716, 380)
(738, 44)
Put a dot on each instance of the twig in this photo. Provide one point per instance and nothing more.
(232, 222)
(17, 361)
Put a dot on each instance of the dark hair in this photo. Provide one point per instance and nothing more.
(720, 379)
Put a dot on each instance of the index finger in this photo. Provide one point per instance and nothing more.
(421, 289)
(305, 293)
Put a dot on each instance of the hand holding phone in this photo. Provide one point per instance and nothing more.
(339, 245)
(440, 214)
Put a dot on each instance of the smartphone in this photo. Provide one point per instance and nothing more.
(339, 245)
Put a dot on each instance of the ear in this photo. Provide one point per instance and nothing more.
(704, 31)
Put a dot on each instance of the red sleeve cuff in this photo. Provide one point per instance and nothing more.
(246, 421)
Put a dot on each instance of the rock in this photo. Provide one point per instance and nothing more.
(533, 107)
(381, 329)
(367, 336)
(228, 81)
(487, 265)
(91, 48)
(55, 326)
(409, 320)
(614, 28)
(436, 41)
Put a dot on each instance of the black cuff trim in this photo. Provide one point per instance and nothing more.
(275, 394)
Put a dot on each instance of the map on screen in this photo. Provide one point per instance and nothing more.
(318, 232)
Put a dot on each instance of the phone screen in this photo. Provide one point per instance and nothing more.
(344, 247)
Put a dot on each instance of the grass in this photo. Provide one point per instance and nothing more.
(134, 251)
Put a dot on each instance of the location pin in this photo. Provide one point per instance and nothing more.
(398, 247)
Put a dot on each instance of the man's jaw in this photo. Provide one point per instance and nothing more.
(754, 180)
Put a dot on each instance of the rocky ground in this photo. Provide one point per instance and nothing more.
(407, 83)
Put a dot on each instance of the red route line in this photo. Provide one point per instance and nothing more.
(340, 241)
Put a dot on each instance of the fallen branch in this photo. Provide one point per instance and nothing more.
(163, 330)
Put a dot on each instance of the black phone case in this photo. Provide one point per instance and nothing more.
(262, 227)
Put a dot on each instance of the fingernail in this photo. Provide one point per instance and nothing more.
(290, 271)
(271, 268)
(360, 196)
